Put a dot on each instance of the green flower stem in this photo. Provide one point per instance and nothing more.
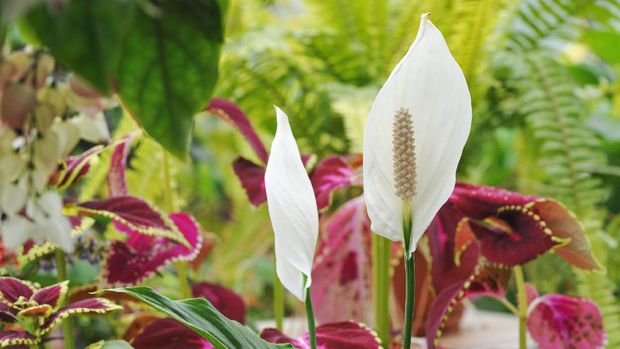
(522, 306)
(409, 277)
(61, 272)
(278, 300)
(381, 286)
(184, 286)
(310, 317)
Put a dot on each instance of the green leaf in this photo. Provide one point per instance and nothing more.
(114, 344)
(202, 317)
(84, 35)
(168, 68)
(605, 44)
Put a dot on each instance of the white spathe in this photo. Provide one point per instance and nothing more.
(292, 209)
(430, 84)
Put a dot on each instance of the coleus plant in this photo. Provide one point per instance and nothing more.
(154, 239)
(30, 312)
(481, 234)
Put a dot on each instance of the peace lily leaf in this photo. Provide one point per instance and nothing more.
(558, 321)
(84, 35)
(169, 334)
(342, 271)
(427, 91)
(168, 67)
(337, 335)
(139, 257)
(202, 317)
(223, 299)
(292, 209)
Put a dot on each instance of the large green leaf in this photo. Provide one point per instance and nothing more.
(84, 35)
(169, 66)
(162, 59)
(202, 317)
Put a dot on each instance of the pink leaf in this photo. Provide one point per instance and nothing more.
(342, 269)
(169, 334)
(560, 321)
(338, 335)
(133, 214)
(480, 202)
(230, 112)
(141, 256)
(117, 181)
(252, 179)
(223, 299)
(17, 339)
(92, 306)
(334, 172)
(74, 168)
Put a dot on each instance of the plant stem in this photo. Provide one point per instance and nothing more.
(184, 286)
(310, 317)
(278, 300)
(409, 277)
(522, 304)
(61, 271)
(381, 286)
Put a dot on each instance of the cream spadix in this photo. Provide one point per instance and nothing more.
(415, 168)
(292, 209)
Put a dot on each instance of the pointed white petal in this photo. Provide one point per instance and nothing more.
(292, 208)
(430, 84)
(15, 231)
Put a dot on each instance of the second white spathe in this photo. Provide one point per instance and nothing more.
(292, 209)
(429, 84)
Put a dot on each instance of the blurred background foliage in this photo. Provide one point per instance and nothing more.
(543, 75)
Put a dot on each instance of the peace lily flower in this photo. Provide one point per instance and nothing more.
(416, 131)
(293, 210)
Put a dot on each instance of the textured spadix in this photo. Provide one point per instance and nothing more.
(429, 85)
(292, 208)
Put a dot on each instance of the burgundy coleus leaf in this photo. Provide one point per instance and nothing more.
(139, 257)
(337, 335)
(513, 228)
(135, 215)
(486, 280)
(223, 299)
(17, 339)
(334, 172)
(117, 180)
(230, 112)
(73, 168)
(91, 306)
(453, 260)
(342, 270)
(52, 295)
(559, 321)
(252, 178)
(480, 202)
(169, 334)
(12, 289)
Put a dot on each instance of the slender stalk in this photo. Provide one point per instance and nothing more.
(381, 286)
(278, 300)
(61, 271)
(522, 306)
(184, 286)
(310, 317)
(409, 278)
